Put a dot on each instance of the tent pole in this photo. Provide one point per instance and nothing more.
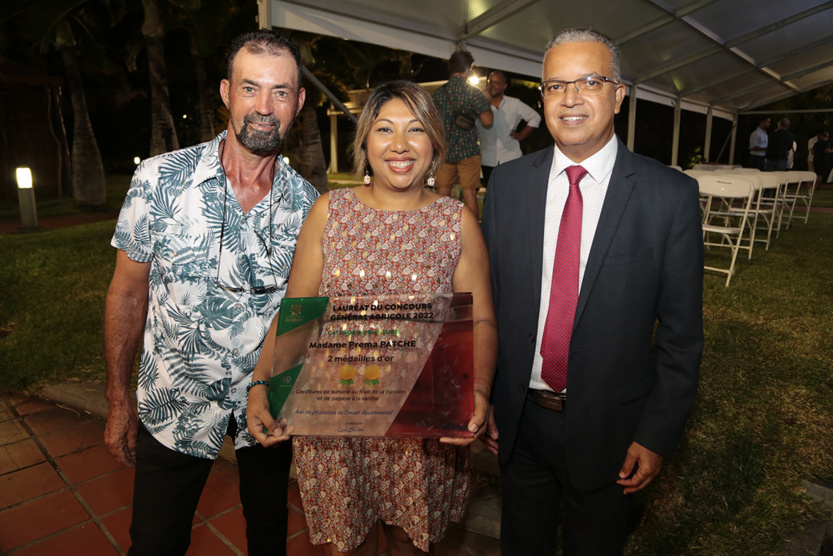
(321, 87)
(264, 14)
(734, 139)
(675, 141)
(708, 145)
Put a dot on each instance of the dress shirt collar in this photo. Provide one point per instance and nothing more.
(598, 166)
(208, 165)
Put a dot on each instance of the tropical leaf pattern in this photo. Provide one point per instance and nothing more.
(201, 339)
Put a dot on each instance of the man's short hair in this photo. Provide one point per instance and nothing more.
(762, 120)
(460, 61)
(264, 41)
(502, 73)
(589, 35)
(784, 122)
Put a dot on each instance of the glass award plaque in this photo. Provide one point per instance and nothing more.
(384, 365)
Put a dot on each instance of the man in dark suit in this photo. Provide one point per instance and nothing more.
(597, 276)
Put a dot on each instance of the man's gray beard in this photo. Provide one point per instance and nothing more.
(261, 142)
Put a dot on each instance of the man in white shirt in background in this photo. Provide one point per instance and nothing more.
(810, 144)
(758, 143)
(501, 143)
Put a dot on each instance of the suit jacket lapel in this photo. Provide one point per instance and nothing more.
(618, 192)
(536, 206)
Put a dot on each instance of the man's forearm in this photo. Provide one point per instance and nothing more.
(124, 321)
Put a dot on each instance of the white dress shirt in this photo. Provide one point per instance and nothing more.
(758, 138)
(593, 190)
(496, 145)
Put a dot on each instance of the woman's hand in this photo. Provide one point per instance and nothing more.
(259, 419)
(478, 422)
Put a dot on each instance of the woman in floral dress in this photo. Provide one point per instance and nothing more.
(391, 236)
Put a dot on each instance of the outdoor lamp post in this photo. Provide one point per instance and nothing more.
(26, 195)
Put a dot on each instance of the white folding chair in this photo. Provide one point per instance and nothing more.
(775, 198)
(696, 174)
(808, 181)
(765, 205)
(792, 190)
(729, 226)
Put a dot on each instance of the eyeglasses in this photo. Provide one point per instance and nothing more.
(586, 86)
(257, 290)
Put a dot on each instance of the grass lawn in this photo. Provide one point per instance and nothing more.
(764, 417)
(823, 198)
(762, 423)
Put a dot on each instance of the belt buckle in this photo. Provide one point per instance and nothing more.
(558, 403)
(548, 400)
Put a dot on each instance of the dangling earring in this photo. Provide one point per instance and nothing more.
(431, 181)
(367, 178)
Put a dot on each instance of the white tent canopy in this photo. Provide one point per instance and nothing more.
(716, 57)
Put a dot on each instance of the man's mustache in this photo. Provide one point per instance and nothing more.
(260, 119)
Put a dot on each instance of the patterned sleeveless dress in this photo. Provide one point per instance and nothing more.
(348, 484)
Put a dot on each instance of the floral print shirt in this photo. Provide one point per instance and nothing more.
(208, 309)
(458, 96)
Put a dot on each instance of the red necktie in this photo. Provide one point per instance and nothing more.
(555, 345)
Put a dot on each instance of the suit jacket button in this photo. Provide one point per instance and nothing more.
(522, 389)
(532, 338)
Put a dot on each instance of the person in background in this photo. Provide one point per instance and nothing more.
(410, 487)
(778, 149)
(758, 142)
(791, 156)
(810, 144)
(501, 143)
(205, 241)
(462, 158)
(820, 151)
(596, 256)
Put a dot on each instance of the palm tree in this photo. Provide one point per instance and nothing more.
(163, 136)
(50, 23)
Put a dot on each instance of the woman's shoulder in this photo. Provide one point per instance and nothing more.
(448, 203)
(339, 199)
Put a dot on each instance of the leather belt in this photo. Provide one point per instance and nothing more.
(548, 399)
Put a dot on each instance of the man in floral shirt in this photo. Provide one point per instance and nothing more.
(205, 241)
(462, 157)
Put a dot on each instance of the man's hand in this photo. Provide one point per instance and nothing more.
(522, 134)
(490, 438)
(647, 465)
(120, 432)
(259, 419)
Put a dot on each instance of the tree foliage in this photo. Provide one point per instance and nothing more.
(55, 24)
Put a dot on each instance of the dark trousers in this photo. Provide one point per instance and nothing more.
(535, 486)
(487, 171)
(168, 485)
(756, 162)
(776, 165)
